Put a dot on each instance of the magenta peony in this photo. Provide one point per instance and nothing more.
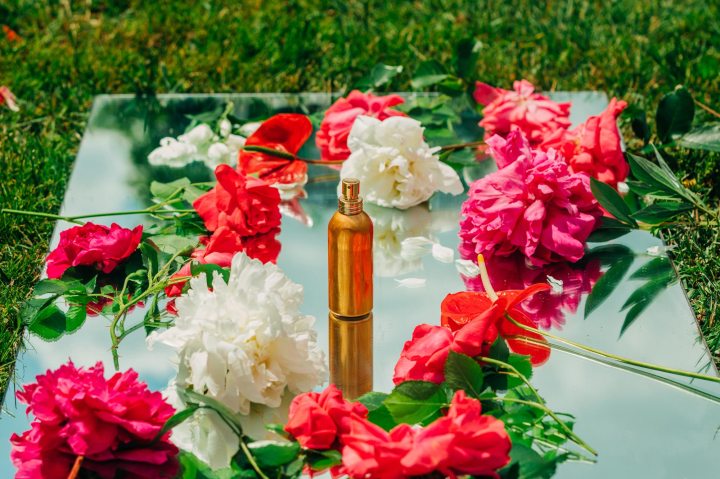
(335, 128)
(111, 423)
(536, 115)
(594, 147)
(532, 204)
(99, 246)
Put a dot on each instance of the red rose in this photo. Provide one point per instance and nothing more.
(370, 451)
(220, 249)
(285, 133)
(319, 420)
(94, 245)
(244, 204)
(594, 147)
(332, 137)
(463, 442)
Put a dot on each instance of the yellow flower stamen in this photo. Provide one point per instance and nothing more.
(486, 279)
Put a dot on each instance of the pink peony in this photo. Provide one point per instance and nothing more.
(99, 246)
(332, 137)
(111, 423)
(536, 115)
(462, 442)
(546, 308)
(532, 204)
(594, 147)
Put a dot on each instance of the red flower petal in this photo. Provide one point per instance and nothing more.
(286, 133)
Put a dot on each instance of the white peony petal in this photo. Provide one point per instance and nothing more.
(467, 268)
(443, 253)
(556, 284)
(415, 247)
(411, 283)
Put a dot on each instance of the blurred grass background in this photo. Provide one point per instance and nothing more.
(71, 51)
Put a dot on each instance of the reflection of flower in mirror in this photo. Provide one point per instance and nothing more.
(546, 308)
(200, 144)
(393, 227)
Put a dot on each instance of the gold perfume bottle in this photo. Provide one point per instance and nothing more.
(350, 289)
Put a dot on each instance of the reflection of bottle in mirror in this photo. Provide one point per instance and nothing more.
(350, 289)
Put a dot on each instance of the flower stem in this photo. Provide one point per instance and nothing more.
(460, 146)
(288, 156)
(76, 467)
(75, 219)
(621, 359)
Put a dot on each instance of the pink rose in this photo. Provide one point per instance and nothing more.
(111, 423)
(532, 204)
(318, 420)
(594, 147)
(532, 113)
(332, 137)
(463, 442)
(246, 205)
(99, 246)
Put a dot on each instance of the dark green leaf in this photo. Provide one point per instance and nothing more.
(416, 402)
(372, 400)
(177, 419)
(704, 137)
(427, 74)
(609, 229)
(50, 286)
(651, 175)
(378, 413)
(529, 464)
(661, 212)
(607, 284)
(642, 297)
(49, 324)
(273, 453)
(674, 114)
(612, 201)
(75, 317)
(463, 373)
(466, 57)
(379, 76)
(321, 460)
(524, 367)
(150, 258)
(653, 268)
(193, 468)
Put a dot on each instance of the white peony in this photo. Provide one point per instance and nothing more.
(199, 144)
(245, 342)
(395, 166)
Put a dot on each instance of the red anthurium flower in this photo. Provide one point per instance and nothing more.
(474, 307)
(285, 133)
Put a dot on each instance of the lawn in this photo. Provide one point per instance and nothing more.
(71, 51)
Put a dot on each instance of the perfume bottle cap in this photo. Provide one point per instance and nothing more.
(350, 202)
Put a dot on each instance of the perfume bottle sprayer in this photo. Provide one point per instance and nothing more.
(350, 288)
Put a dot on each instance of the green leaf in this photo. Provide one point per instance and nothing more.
(416, 402)
(674, 114)
(653, 268)
(379, 76)
(273, 453)
(642, 297)
(466, 57)
(49, 323)
(428, 73)
(612, 201)
(528, 464)
(321, 460)
(609, 229)
(524, 367)
(661, 212)
(193, 468)
(49, 286)
(75, 317)
(607, 284)
(174, 244)
(163, 191)
(464, 373)
(177, 419)
(608, 254)
(379, 414)
(372, 400)
(209, 270)
(704, 137)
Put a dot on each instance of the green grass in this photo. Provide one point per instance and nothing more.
(69, 54)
